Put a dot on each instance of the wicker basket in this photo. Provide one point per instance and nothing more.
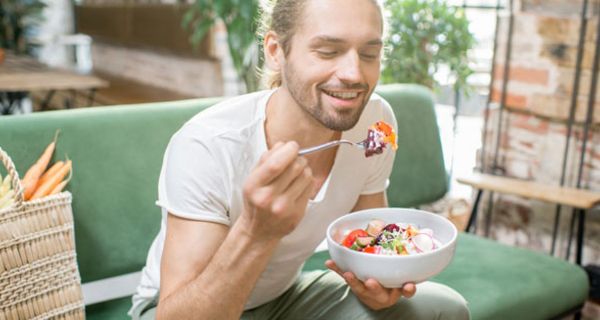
(39, 278)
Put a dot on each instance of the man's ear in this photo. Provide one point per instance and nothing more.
(273, 51)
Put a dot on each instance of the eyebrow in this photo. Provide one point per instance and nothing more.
(334, 40)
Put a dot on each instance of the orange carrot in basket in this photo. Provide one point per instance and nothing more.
(59, 187)
(30, 181)
(45, 189)
(50, 172)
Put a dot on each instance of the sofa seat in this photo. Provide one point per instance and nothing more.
(498, 281)
(114, 310)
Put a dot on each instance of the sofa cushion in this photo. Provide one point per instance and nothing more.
(113, 310)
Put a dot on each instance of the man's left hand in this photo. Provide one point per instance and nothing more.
(371, 292)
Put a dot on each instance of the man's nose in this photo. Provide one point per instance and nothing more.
(350, 69)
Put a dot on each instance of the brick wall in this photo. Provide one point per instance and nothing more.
(533, 136)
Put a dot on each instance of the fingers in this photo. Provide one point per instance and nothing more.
(274, 163)
(395, 294)
(333, 267)
(357, 286)
(267, 154)
(308, 190)
(291, 176)
(301, 185)
(378, 292)
(409, 290)
(372, 289)
(295, 191)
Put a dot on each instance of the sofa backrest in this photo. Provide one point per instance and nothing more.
(117, 154)
(419, 174)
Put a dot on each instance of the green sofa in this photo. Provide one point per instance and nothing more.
(117, 153)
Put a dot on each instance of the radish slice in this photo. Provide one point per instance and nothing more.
(374, 227)
(423, 242)
(426, 231)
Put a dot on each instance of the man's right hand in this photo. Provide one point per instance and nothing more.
(276, 193)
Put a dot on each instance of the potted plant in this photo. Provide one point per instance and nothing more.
(239, 18)
(425, 35)
(18, 19)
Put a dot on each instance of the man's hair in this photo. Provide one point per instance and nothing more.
(284, 17)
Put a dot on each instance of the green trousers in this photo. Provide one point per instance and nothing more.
(325, 295)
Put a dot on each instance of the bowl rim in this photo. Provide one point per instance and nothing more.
(384, 256)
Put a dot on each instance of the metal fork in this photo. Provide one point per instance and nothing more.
(331, 144)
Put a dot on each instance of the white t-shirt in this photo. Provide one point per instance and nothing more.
(207, 161)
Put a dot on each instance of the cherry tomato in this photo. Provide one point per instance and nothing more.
(370, 249)
(351, 237)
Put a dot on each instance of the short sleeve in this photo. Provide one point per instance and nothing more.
(380, 166)
(192, 182)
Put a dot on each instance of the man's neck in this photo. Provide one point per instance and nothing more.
(286, 121)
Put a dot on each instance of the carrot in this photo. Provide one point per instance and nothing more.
(50, 172)
(59, 187)
(32, 176)
(49, 185)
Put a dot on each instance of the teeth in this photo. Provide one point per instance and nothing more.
(343, 95)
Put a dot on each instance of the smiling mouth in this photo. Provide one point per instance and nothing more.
(342, 95)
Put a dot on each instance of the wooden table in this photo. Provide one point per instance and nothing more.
(581, 200)
(20, 75)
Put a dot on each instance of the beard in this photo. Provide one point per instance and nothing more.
(303, 95)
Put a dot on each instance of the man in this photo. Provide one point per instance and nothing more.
(242, 211)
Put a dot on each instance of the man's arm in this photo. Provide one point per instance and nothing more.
(208, 271)
(368, 201)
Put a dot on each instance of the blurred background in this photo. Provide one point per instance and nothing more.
(512, 79)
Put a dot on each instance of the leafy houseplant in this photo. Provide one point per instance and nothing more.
(239, 17)
(18, 19)
(424, 35)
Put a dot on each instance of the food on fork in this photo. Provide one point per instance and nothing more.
(391, 239)
(379, 136)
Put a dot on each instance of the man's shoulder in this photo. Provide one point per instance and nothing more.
(230, 125)
(232, 115)
(380, 102)
(235, 108)
(379, 109)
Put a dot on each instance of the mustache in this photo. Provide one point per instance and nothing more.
(355, 86)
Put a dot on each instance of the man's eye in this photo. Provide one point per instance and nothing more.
(327, 53)
(369, 56)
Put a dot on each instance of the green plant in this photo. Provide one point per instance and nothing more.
(18, 20)
(425, 35)
(239, 17)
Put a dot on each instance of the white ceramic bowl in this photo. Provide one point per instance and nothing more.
(392, 271)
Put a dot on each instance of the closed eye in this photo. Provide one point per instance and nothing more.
(369, 56)
(327, 53)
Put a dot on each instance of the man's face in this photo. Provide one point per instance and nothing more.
(334, 60)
